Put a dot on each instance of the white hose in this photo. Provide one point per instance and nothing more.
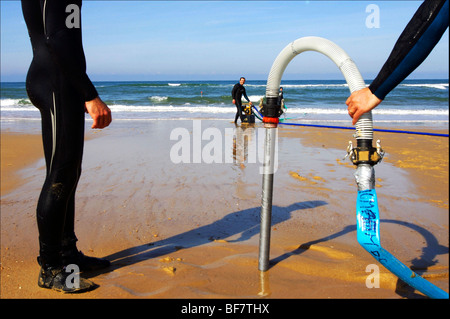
(364, 126)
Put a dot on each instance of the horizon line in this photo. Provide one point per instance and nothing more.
(235, 79)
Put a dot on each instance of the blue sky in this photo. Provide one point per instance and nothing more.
(214, 40)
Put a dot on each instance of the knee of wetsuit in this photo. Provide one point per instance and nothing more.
(67, 175)
(56, 191)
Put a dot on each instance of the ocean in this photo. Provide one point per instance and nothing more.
(412, 103)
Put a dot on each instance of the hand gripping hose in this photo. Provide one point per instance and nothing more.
(367, 216)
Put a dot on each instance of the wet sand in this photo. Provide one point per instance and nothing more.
(191, 230)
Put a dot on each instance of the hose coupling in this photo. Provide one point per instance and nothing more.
(271, 108)
(365, 153)
(271, 112)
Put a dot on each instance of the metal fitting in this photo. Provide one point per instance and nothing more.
(365, 153)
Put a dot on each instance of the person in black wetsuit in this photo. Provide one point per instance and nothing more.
(57, 84)
(237, 93)
(415, 43)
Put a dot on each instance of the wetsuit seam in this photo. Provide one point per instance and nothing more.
(53, 118)
(43, 17)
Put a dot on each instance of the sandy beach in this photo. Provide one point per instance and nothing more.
(191, 230)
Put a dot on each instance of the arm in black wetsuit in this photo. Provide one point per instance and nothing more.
(234, 91)
(66, 46)
(244, 94)
(50, 35)
(415, 43)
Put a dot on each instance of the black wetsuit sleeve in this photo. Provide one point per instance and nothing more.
(420, 36)
(66, 45)
(244, 93)
(234, 91)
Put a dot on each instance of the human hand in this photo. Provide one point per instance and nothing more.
(360, 102)
(234, 101)
(99, 111)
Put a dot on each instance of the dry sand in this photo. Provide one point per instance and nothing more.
(191, 230)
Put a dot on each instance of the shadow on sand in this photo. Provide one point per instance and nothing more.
(419, 264)
(245, 223)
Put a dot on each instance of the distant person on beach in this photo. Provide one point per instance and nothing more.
(237, 93)
(57, 84)
(281, 99)
(420, 36)
(280, 96)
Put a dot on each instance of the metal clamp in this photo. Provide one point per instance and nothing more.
(365, 155)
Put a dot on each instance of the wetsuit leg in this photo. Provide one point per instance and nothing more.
(57, 84)
(239, 111)
(63, 137)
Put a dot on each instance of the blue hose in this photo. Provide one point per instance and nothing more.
(352, 128)
(368, 235)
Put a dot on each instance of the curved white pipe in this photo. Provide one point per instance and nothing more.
(364, 126)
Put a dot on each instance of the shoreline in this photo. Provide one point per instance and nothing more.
(191, 230)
